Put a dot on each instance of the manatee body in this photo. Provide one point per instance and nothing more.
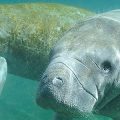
(3, 72)
(28, 32)
(83, 76)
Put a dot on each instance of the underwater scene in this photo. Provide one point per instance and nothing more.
(44, 66)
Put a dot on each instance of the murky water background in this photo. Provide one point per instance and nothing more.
(17, 101)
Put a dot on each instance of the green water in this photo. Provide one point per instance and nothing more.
(17, 101)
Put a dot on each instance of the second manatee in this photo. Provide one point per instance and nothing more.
(29, 31)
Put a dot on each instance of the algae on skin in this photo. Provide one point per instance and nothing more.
(28, 32)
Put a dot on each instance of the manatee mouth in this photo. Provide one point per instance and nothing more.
(56, 91)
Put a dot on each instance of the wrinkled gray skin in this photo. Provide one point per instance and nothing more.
(3, 72)
(83, 76)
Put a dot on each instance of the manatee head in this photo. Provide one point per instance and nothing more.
(3, 72)
(84, 68)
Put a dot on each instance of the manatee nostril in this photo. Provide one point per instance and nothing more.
(57, 81)
(59, 78)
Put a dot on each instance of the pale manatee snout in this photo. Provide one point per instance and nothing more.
(3, 72)
(59, 88)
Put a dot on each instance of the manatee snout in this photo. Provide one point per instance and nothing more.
(53, 85)
(61, 90)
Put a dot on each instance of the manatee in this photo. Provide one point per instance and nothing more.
(28, 31)
(83, 75)
(3, 72)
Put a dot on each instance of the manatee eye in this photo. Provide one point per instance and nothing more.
(106, 66)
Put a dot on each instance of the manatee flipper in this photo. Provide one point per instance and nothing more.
(3, 72)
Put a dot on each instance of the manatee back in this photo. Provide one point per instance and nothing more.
(112, 15)
(102, 29)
